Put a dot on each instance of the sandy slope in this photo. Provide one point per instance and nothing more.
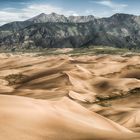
(24, 118)
(75, 98)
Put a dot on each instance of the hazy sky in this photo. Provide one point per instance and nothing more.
(16, 10)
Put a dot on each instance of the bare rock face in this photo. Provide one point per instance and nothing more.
(81, 19)
(53, 30)
(42, 18)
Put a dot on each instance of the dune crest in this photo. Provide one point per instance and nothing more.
(38, 119)
(69, 98)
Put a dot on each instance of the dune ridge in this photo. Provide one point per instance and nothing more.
(69, 98)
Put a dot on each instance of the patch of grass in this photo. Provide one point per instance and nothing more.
(97, 50)
(90, 50)
(105, 104)
(14, 79)
(134, 91)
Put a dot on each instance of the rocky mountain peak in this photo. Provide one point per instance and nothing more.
(42, 14)
(53, 17)
(54, 14)
(81, 19)
(121, 16)
(119, 30)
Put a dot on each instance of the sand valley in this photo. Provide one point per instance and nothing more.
(69, 98)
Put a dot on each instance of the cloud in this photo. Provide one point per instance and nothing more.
(31, 9)
(12, 14)
(116, 7)
(7, 17)
(35, 9)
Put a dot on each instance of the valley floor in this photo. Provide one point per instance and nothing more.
(69, 98)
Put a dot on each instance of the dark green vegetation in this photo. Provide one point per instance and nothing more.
(105, 100)
(14, 79)
(91, 50)
(58, 31)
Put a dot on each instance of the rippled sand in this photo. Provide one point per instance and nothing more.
(69, 98)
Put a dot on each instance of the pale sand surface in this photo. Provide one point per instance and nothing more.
(69, 98)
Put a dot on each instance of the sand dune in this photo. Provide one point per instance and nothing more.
(24, 118)
(69, 98)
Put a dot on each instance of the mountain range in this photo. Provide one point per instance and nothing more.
(58, 31)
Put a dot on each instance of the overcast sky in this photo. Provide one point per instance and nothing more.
(18, 10)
